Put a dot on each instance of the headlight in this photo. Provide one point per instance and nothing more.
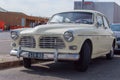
(14, 35)
(68, 35)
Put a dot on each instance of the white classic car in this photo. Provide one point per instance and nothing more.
(75, 36)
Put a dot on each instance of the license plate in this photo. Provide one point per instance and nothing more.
(36, 55)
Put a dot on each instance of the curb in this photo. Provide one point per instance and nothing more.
(11, 64)
(15, 63)
(7, 61)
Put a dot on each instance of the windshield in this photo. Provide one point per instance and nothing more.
(115, 27)
(73, 17)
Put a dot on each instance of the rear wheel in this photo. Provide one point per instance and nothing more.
(85, 58)
(27, 62)
(110, 55)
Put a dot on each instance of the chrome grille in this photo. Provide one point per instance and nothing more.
(27, 41)
(51, 42)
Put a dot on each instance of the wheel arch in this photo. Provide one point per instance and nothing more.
(89, 41)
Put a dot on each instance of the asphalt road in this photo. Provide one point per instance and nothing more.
(5, 42)
(99, 69)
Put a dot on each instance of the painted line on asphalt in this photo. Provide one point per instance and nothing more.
(4, 40)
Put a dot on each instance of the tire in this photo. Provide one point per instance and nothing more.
(110, 55)
(85, 58)
(26, 62)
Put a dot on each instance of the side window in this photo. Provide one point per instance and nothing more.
(99, 20)
(106, 24)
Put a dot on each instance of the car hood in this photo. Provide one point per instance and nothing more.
(55, 28)
(117, 33)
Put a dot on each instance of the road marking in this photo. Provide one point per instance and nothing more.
(4, 40)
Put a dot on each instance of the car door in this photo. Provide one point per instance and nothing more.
(101, 35)
(109, 34)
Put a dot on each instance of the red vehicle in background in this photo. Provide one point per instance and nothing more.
(2, 25)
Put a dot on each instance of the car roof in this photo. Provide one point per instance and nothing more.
(91, 11)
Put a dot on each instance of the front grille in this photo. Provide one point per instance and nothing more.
(27, 41)
(51, 42)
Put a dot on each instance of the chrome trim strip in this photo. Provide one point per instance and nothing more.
(94, 35)
(51, 56)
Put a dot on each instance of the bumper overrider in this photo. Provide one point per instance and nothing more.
(45, 55)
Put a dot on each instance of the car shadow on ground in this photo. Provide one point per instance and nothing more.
(99, 69)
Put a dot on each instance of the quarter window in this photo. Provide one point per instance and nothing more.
(105, 22)
(100, 20)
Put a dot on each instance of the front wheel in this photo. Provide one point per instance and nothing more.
(85, 58)
(26, 62)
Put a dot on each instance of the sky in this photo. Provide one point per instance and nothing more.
(43, 8)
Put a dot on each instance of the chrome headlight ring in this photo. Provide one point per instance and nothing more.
(14, 35)
(68, 36)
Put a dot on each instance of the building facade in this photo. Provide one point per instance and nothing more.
(20, 19)
(110, 9)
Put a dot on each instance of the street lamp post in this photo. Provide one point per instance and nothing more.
(82, 4)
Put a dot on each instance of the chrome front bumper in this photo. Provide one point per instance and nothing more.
(50, 56)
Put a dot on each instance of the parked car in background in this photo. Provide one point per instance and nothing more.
(116, 29)
(74, 35)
